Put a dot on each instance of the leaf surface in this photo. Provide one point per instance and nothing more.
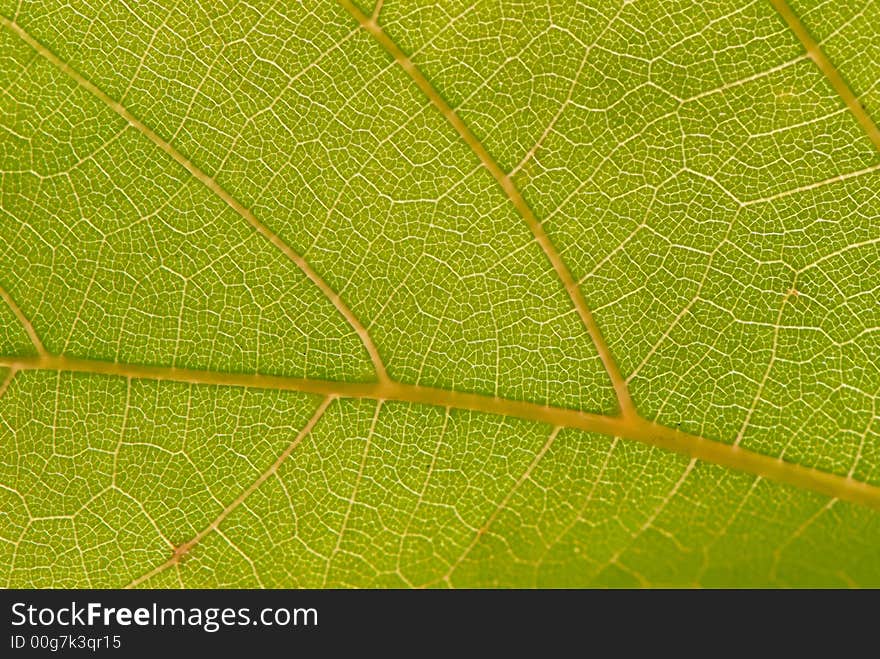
(439, 294)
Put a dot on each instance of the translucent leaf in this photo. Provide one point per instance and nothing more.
(439, 294)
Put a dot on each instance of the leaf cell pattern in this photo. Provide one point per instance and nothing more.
(439, 294)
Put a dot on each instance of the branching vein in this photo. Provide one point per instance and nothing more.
(25, 322)
(624, 400)
(210, 183)
(181, 551)
(814, 51)
(633, 428)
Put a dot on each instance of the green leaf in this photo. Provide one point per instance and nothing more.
(439, 294)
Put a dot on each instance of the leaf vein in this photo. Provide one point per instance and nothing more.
(212, 185)
(624, 400)
(25, 322)
(186, 547)
(630, 428)
(825, 65)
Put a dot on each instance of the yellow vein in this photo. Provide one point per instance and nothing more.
(814, 52)
(787, 299)
(501, 507)
(582, 510)
(798, 532)
(186, 547)
(620, 387)
(213, 186)
(354, 493)
(647, 524)
(25, 322)
(7, 381)
(632, 428)
(812, 186)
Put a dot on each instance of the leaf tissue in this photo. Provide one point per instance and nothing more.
(448, 294)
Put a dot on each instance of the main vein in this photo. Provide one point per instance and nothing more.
(815, 53)
(629, 425)
(210, 183)
(621, 390)
(632, 428)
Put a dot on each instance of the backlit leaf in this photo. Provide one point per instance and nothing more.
(439, 293)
